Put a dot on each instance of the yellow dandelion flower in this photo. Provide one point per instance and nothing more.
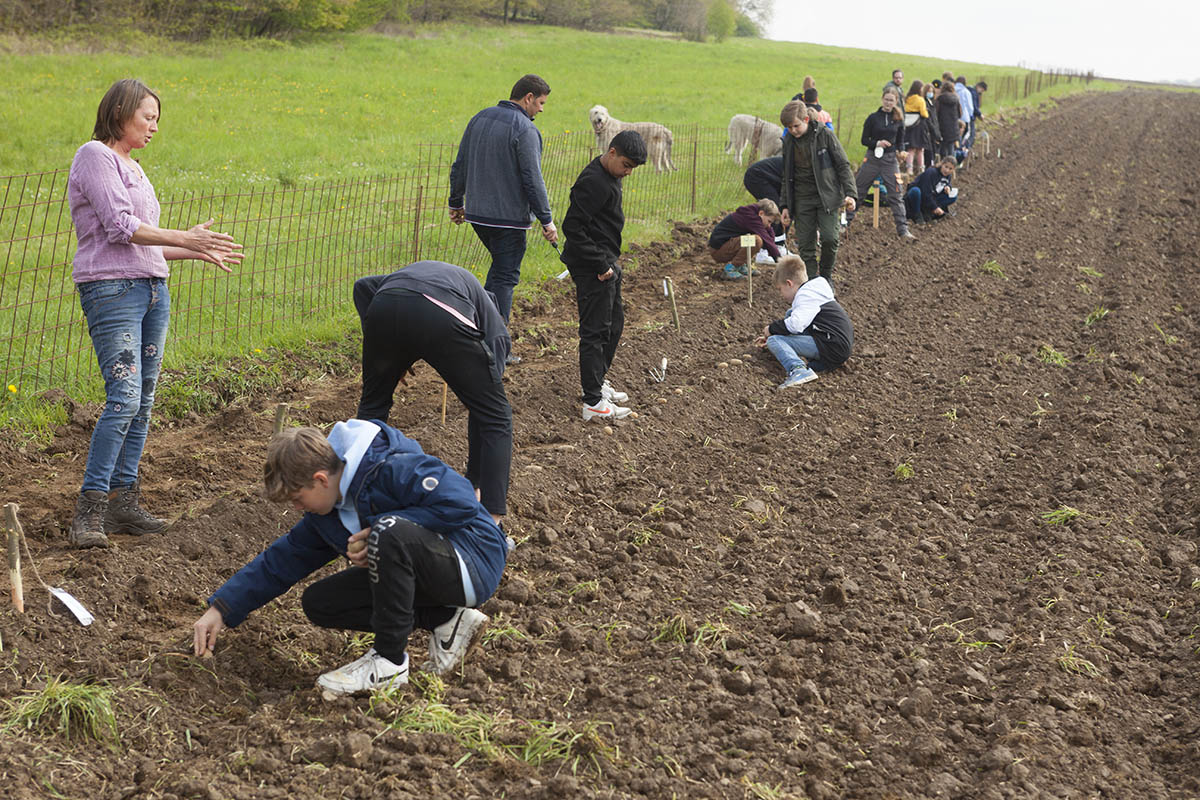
(12, 387)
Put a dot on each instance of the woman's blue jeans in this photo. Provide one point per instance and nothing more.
(127, 319)
(793, 350)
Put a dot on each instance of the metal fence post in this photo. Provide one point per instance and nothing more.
(695, 149)
(417, 223)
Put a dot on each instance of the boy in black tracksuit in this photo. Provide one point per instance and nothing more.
(592, 227)
(439, 313)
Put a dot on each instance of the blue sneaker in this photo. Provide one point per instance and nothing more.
(798, 376)
(731, 273)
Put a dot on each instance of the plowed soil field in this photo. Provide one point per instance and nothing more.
(964, 565)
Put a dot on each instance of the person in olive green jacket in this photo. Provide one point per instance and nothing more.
(817, 182)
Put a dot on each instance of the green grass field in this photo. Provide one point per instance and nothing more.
(358, 105)
(307, 151)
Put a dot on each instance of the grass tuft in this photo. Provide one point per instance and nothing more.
(1095, 315)
(70, 710)
(903, 471)
(1061, 515)
(993, 269)
(1048, 355)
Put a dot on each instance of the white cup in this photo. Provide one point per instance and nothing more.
(879, 151)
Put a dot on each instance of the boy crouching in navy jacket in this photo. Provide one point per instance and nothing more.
(423, 551)
(816, 335)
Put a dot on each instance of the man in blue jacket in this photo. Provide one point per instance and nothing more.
(423, 551)
(496, 183)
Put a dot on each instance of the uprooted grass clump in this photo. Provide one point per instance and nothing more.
(70, 710)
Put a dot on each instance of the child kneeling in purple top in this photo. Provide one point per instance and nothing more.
(816, 334)
(423, 551)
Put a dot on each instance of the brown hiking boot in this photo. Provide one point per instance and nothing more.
(126, 516)
(87, 528)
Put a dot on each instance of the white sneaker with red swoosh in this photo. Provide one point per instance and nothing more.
(604, 410)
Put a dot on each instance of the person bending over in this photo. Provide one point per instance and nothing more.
(438, 313)
(432, 553)
(725, 243)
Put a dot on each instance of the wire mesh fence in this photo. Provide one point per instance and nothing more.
(305, 245)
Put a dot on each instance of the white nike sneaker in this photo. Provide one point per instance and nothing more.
(605, 410)
(371, 671)
(609, 393)
(450, 642)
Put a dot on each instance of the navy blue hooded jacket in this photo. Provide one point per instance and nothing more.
(394, 477)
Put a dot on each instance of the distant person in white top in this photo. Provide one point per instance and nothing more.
(816, 334)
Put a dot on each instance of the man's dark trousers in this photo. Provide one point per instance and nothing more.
(601, 322)
(507, 248)
(403, 327)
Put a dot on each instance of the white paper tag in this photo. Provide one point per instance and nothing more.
(747, 240)
(953, 191)
(562, 276)
(73, 605)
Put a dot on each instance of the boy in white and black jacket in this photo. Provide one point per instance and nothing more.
(816, 335)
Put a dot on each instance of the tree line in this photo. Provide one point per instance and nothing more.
(201, 19)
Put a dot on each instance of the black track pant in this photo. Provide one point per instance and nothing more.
(882, 169)
(412, 580)
(401, 328)
(601, 322)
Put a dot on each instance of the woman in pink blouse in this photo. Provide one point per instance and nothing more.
(121, 274)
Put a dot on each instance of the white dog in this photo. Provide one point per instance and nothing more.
(658, 137)
(764, 138)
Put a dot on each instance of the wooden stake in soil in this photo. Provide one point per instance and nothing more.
(748, 243)
(445, 396)
(281, 411)
(15, 534)
(875, 203)
(669, 289)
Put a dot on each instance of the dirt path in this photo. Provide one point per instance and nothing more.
(737, 594)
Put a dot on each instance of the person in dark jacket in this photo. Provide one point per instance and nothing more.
(763, 180)
(817, 183)
(423, 552)
(949, 110)
(592, 227)
(438, 313)
(496, 183)
(933, 134)
(816, 335)
(931, 195)
(883, 136)
(724, 244)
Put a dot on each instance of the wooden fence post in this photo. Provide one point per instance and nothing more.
(281, 410)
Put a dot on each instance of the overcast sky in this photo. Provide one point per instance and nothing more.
(1147, 40)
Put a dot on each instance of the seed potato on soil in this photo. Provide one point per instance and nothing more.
(743, 593)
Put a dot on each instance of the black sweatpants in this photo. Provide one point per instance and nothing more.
(412, 580)
(601, 322)
(401, 328)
